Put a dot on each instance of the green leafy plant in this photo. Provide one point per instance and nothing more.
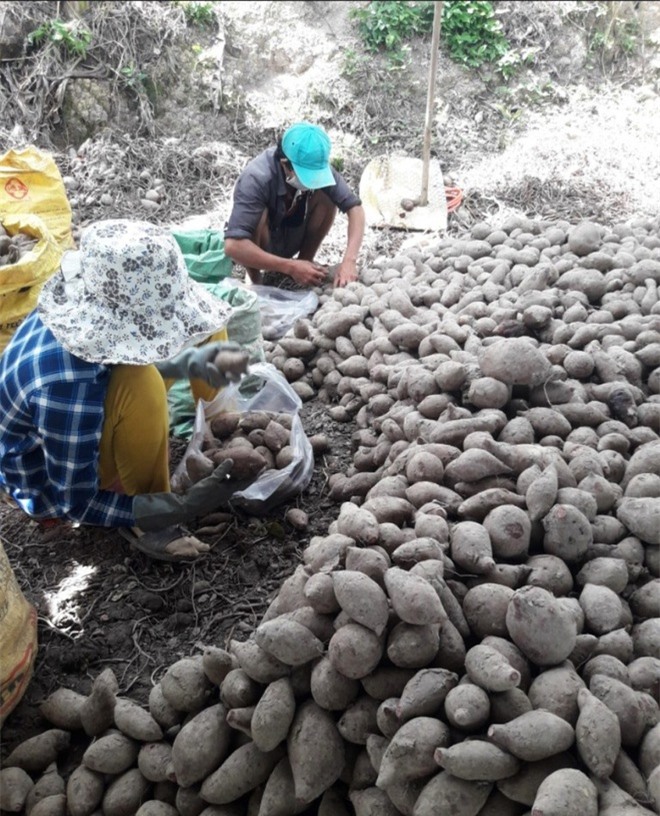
(133, 76)
(472, 33)
(199, 14)
(470, 30)
(619, 37)
(385, 25)
(71, 36)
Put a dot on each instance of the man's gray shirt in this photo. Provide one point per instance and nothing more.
(261, 186)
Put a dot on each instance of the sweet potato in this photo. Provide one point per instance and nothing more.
(185, 686)
(533, 609)
(125, 794)
(319, 591)
(84, 791)
(467, 707)
(445, 793)
(112, 753)
(278, 793)
(15, 785)
(273, 715)
(602, 609)
(566, 792)
(485, 608)
(509, 530)
(568, 533)
(239, 690)
(359, 720)
(355, 651)
(386, 681)
(475, 759)
(132, 720)
(556, 689)
(425, 693)
(372, 561)
(62, 709)
(597, 735)
(257, 663)
(489, 669)
(523, 786)
(410, 752)
(358, 523)
(243, 770)
(36, 753)
(53, 805)
(201, 745)
(315, 750)
(625, 703)
(550, 573)
(330, 688)
(288, 641)
(413, 599)
(371, 801)
(97, 711)
(362, 599)
(412, 646)
(50, 783)
(154, 761)
(507, 705)
(533, 736)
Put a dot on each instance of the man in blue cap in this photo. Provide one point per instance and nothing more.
(285, 202)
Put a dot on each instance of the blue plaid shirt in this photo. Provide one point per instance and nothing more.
(51, 419)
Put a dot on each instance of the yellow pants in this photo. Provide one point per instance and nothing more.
(134, 451)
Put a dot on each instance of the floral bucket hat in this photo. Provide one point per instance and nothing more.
(126, 297)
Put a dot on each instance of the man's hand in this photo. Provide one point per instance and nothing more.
(346, 273)
(307, 273)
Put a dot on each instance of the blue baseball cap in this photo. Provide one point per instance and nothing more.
(307, 147)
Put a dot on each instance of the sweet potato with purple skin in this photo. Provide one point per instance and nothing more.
(201, 745)
(36, 753)
(533, 736)
(489, 669)
(355, 651)
(467, 707)
(243, 770)
(413, 598)
(567, 792)
(532, 610)
(471, 549)
(597, 735)
(362, 599)
(288, 641)
(273, 715)
(15, 785)
(425, 693)
(316, 752)
(410, 752)
(478, 760)
(445, 793)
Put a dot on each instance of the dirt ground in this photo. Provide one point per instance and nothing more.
(570, 139)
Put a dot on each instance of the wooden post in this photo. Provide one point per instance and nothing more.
(426, 149)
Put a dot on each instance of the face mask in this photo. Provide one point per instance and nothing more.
(294, 181)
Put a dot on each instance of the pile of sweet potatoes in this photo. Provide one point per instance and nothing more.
(478, 633)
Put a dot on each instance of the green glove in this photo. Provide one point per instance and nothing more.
(199, 362)
(155, 511)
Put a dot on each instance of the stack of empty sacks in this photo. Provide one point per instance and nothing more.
(478, 631)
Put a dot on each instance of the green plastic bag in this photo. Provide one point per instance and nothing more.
(204, 254)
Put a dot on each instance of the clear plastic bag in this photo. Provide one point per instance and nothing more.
(280, 308)
(263, 389)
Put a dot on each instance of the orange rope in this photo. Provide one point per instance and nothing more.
(454, 198)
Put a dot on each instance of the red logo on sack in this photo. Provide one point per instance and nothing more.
(15, 188)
